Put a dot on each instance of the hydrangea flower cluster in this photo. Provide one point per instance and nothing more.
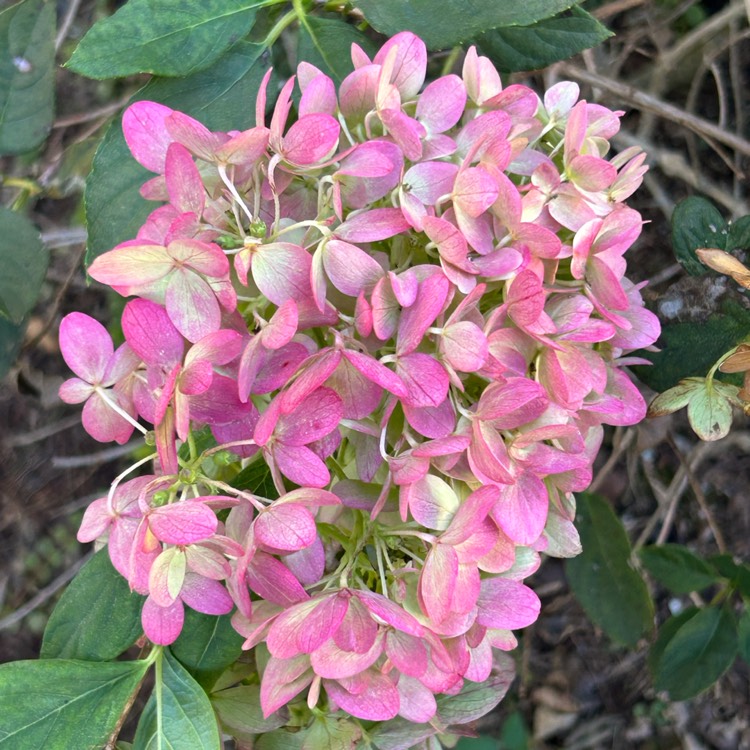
(410, 305)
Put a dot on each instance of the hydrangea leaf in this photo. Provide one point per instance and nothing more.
(82, 626)
(186, 720)
(677, 568)
(240, 714)
(166, 39)
(27, 75)
(78, 703)
(451, 22)
(614, 596)
(542, 43)
(696, 222)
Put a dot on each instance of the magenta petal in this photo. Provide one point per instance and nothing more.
(286, 527)
(357, 631)
(162, 625)
(301, 465)
(76, 391)
(333, 662)
(96, 521)
(377, 701)
(507, 604)
(442, 103)
(415, 320)
(373, 226)
(425, 379)
(86, 346)
(282, 680)
(437, 581)
(318, 415)
(416, 702)
(184, 183)
(206, 595)
(377, 373)
(143, 125)
(103, 423)
(408, 654)
(183, 523)
(522, 510)
(151, 334)
(192, 305)
(350, 269)
(431, 421)
(274, 581)
(311, 139)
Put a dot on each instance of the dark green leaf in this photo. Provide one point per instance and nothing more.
(450, 22)
(280, 739)
(475, 699)
(698, 654)
(97, 617)
(326, 43)
(614, 596)
(737, 573)
(59, 704)
(256, 479)
(739, 235)
(240, 712)
(332, 734)
(23, 259)
(207, 645)
(543, 43)
(665, 635)
(187, 719)
(169, 38)
(691, 348)
(743, 635)
(478, 743)
(514, 734)
(11, 337)
(27, 74)
(222, 97)
(677, 568)
(696, 223)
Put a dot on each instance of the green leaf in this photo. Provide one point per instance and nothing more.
(697, 654)
(327, 42)
(97, 617)
(739, 235)
(665, 635)
(23, 259)
(614, 596)
(59, 704)
(677, 568)
(400, 734)
(256, 479)
(240, 713)
(675, 398)
(207, 645)
(27, 74)
(737, 573)
(710, 411)
(169, 38)
(332, 734)
(743, 635)
(221, 97)
(478, 743)
(184, 719)
(691, 348)
(449, 22)
(543, 43)
(11, 337)
(696, 223)
(280, 739)
(514, 734)
(475, 699)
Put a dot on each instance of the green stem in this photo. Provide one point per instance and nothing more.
(450, 61)
(278, 27)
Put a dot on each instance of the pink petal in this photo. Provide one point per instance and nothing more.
(282, 272)
(408, 654)
(286, 527)
(522, 510)
(86, 346)
(373, 226)
(415, 320)
(410, 63)
(308, 564)
(432, 502)
(162, 625)
(301, 465)
(431, 421)
(507, 604)
(270, 579)
(151, 334)
(183, 523)
(206, 595)
(96, 521)
(471, 514)
(350, 269)
(143, 125)
(195, 136)
(282, 680)
(282, 326)
(334, 663)
(311, 139)
(437, 581)
(376, 372)
(513, 403)
(442, 103)
(131, 266)
(312, 420)
(474, 191)
(166, 576)
(357, 631)
(464, 346)
(245, 148)
(377, 701)
(416, 702)
(103, 423)
(184, 183)
(425, 378)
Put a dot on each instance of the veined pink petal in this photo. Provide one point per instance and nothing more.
(206, 595)
(522, 510)
(470, 515)
(282, 271)
(431, 421)
(410, 64)
(245, 148)
(96, 521)
(373, 226)
(282, 326)
(308, 564)
(195, 136)
(273, 581)
(151, 334)
(389, 612)
(206, 258)
(442, 103)
(76, 391)
(191, 305)
(314, 418)
(143, 125)
(507, 604)
(86, 347)
(415, 320)
(184, 183)
(282, 680)
(357, 92)
(350, 269)
(318, 92)
(425, 379)
(430, 180)
(376, 372)
(432, 502)
(286, 527)
(132, 266)
(377, 700)
(335, 663)
(357, 631)
(311, 139)
(183, 523)
(488, 455)
(162, 625)
(464, 346)
(437, 581)
(513, 403)
(408, 654)
(103, 423)
(416, 701)
(301, 465)
(360, 396)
